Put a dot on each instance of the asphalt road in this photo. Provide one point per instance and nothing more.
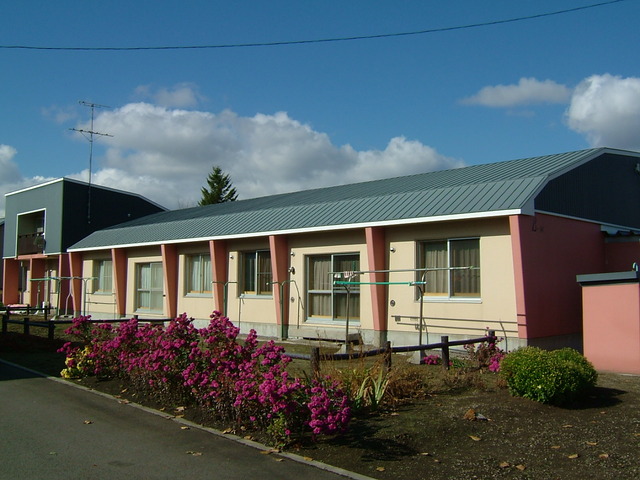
(52, 430)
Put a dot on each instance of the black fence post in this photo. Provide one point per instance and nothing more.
(25, 322)
(315, 361)
(5, 322)
(445, 351)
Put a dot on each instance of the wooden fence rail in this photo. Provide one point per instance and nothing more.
(50, 325)
(315, 357)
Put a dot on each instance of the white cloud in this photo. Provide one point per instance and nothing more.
(606, 109)
(182, 95)
(528, 91)
(165, 154)
(10, 177)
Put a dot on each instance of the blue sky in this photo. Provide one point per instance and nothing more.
(289, 117)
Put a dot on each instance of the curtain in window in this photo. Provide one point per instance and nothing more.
(249, 273)
(150, 286)
(264, 275)
(144, 282)
(105, 283)
(327, 300)
(195, 265)
(465, 253)
(199, 274)
(319, 278)
(320, 286)
(157, 283)
(435, 257)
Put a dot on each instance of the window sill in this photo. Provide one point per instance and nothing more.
(256, 296)
(451, 300)
(329, 321)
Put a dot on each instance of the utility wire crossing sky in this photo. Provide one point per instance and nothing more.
(454, 83)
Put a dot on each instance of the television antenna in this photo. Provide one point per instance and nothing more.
(88, 134)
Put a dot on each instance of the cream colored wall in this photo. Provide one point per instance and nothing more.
(257, 309)
(319, 244)
(97, 303)
(195, 306)
(135, 257)
(495, 309)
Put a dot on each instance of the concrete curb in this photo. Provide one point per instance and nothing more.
(213, 431)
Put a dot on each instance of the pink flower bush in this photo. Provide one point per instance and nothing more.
(240, 382)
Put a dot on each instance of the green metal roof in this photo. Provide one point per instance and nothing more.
(475, 191)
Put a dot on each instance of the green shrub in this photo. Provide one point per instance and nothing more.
(557, 377)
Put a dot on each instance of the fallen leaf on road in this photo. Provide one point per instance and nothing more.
(195, 454)
(185, 428)
(593, 444)
(474, 438)
(87, 422)
(567, 426)
(380, 469)
(556, 447)
(270, 451)
(307, 459)
(521, 467)
(603, 455)
(573, 455)
(504, 464)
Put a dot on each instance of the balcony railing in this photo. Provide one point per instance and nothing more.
(31, 243)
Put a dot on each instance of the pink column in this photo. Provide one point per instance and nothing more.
(119, 263)
(377, 256)
(75, 266)
(219, 273)
(279, 247)
(170, 270)
(10, 281)
(515, 225)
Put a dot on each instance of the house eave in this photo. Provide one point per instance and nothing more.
(316, 229)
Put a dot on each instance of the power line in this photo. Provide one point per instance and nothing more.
(321, 40)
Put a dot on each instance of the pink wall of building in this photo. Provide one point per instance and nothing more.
(612, 326)
(548, 253)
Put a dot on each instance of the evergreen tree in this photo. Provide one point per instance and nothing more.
(220, 189)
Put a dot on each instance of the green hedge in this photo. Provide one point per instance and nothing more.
(557, 377)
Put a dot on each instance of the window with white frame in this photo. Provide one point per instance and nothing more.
(256, 276)
(451, 268)
(198, 274)
(149, 286)
(102, 277)
(326, 300)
